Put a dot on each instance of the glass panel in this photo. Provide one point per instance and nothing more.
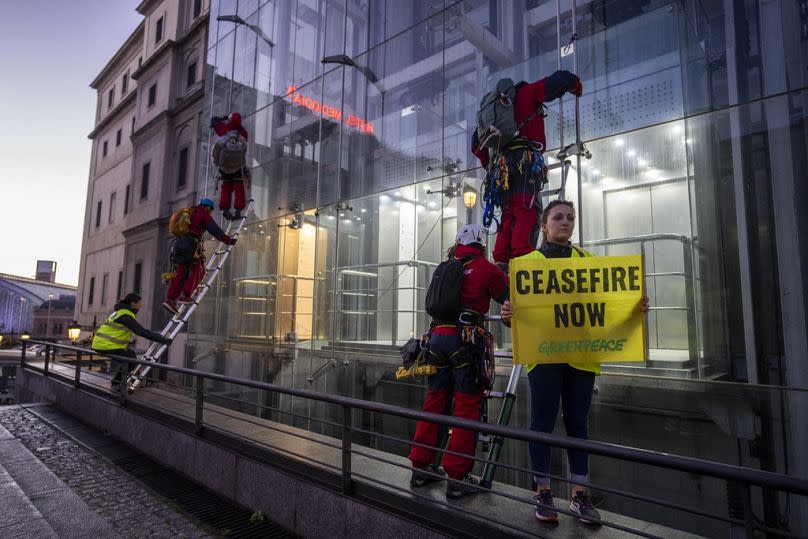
(310, 34)
(247, 8)
(243, 98)
(322, 102)
(286, 144)
(388, 18)
(396, 95)
(737, 53)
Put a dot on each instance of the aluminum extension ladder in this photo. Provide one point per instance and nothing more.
(212, 269)
(577, 149)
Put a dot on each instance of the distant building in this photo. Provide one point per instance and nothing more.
(21, 296)
(52, 318)
(145, 156)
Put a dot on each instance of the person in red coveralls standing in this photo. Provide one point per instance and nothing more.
(455, 377)
(522, 203)
(189, 258)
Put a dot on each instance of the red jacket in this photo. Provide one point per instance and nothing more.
(202, 221)
(482, 282)
(529, 97)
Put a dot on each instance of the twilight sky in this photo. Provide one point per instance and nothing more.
(50, 51)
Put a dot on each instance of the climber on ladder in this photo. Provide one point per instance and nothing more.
(509, 142)
(188, 225)
(191, 219)
(229, 156)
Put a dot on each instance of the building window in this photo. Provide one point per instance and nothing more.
(91, 292)
(191, 75)
(110, 97)
(118, 137)
(158, 30)
(182, 169)
(104, 283)
(138, 276)
(120, 285)
(126, 200)
(133, 125)
(124, 83)
(152, 95)
(197, 8)
(98, 214)
(112, 198)
(144, 181)
(139, 62)
(104, 149)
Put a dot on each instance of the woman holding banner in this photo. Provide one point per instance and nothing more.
(571, 383)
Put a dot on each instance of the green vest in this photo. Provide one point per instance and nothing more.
(112, 335)
(576, 252)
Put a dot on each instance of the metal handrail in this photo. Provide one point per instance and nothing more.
(718, 470)
(641, 238)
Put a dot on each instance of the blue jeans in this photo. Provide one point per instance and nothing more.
(548, 384)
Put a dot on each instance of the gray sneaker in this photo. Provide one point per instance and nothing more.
(424, 476)
(581, 505)
(457, 488)
(545, 508)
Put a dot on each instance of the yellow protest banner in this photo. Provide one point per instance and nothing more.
(570, 310)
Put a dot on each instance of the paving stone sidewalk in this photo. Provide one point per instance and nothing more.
(123, 502)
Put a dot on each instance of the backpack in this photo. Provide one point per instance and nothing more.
(496, 116)
(183, 251)
(180, 222)
(233, 150)
(443, 295)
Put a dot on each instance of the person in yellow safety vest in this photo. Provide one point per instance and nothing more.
(571, 383)
(115, 335)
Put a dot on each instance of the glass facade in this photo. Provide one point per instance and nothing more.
(360, 114)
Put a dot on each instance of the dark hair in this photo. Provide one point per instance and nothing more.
(545, 214)
(131, 298)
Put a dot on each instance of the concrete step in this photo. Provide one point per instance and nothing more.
(48, 507)
(19, 517)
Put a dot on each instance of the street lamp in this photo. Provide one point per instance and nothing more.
(469, 196)
(73, 331)
(235, 19)
(1, 340)
(25, 336)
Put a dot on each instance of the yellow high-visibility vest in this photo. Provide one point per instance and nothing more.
(577, 252)
(112, 335)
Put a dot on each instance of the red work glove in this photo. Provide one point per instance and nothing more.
(577, 88)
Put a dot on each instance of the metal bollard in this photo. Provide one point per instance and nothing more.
(77, 381)
(347, 484)
(22, 354)
(47, 358)
(748, 515)
(200, 402)
(123, 387)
